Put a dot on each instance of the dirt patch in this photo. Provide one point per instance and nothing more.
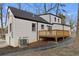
(9, 49)
(69, 50)
(41, 43)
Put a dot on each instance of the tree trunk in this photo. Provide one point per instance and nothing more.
(57, 9)
(2, 33)
(19, 6)
(38, 10)
(76, 43)
(77, 32)
(45, 8)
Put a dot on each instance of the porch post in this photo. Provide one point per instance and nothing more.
(38, 38)
(56, 37)
(63, 31)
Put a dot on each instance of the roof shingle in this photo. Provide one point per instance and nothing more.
(26, 15)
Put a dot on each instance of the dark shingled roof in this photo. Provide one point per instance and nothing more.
(21, 14)
(26, 15)
(60, 24)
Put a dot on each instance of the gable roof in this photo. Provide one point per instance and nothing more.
(26, 15)
(49, 14)
(56, 16)
(21, 14)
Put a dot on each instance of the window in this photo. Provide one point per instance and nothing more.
(8, 14)
(58, 20)
(55, 19)
(49, 28)
(10, 27)
(42, 26)
(33, 26)
(9, 40)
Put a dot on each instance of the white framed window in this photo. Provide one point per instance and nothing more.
(49, 28)
(8, 14)
(42, 26)
(33, 27)
(55, 19)
(10, 27)
(58, 20)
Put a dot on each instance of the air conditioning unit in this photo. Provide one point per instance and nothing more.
(22, 43)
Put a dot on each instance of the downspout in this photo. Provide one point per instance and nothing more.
(2, 23)
(63, 31)
(50, 18)
(37, 32)
(50, 26)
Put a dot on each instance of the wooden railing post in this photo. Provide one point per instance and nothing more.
(63, 31)
(45, 33)
(56, 37)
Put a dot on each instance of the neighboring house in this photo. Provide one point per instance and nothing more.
(23, 24)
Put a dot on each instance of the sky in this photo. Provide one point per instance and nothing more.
(71, 9)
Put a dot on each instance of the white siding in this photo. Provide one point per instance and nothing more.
(66, 27)
(46, 17)
(60, 27)
(9, 20)
(20, 28)
(23, 28)
(56, 26)
(53, 19)
(45, 26)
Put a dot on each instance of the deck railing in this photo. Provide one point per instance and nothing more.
(53, 33)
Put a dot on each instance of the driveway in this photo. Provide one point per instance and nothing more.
(3, 43)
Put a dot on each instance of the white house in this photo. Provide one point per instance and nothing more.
(22, 24)
(55, 21)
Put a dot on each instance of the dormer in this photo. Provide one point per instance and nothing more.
(51, 18)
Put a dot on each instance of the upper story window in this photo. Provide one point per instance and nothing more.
(33, 27)
(10, 27)
(8, 14)
(55, 19)
(58, 20)
(42, 26)
(49, 28)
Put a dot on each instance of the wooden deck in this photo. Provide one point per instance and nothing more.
(54, 34)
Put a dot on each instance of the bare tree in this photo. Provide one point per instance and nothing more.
(1, 15)
(45, 8)
(63, 17)
(76, 42)
(19, 5)
(42, 8)
(59, 8)
(38, 9)
(77, 31)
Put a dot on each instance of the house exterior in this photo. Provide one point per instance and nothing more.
(55, 21)
(22, 24)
